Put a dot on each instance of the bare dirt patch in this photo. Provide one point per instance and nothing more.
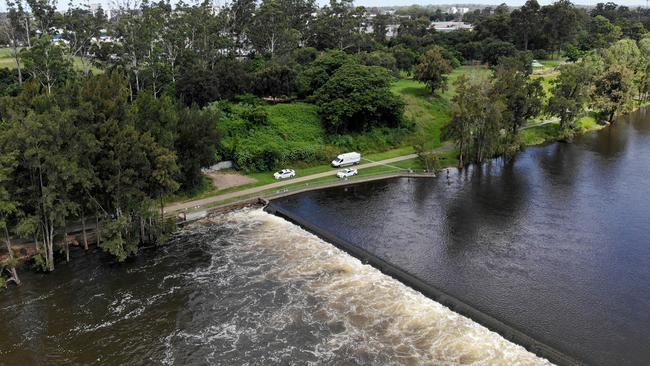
(223, 180)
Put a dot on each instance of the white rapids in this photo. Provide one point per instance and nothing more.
(372, 318)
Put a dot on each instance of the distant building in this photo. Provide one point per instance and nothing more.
(450, 26)
(454, 10)
(94, 7)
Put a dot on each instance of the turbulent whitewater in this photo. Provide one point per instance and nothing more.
(245, 288)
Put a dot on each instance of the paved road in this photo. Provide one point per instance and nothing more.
(208, 200)
(540, 123)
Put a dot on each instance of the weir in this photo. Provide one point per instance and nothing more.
(508, 332)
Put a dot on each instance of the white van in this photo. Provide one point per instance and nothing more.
(346, 159)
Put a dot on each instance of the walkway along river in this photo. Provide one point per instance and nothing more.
(555, 243)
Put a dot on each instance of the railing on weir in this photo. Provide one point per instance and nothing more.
(306, 186)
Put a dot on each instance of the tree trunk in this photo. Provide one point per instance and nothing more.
(83, 228)
(12, 268)
(66, 243)
(98, 232)
(17, 58)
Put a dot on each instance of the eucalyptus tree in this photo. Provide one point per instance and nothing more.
(82, 29)
(476, 119)
(8, 208)
(44, 13)
(522, 94)
(16, 32)
(238, 15)
(136, 37)
(338, 25)
(613, 91)
(560, 23)
(47, 63)
(571, 91)
(270, 30)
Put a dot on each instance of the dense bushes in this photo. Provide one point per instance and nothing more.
(261, 137)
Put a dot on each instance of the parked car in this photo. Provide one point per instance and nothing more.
(347, 172)
(346, 159)
(284, 173)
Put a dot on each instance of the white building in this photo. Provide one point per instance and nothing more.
(450, 26)
(454, 10)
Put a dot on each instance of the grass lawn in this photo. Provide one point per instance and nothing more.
(7, 60)
(431, 112)
(551, 132)
(298, 123)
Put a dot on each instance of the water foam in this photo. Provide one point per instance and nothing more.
(372, 315)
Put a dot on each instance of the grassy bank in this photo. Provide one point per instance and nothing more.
(552, 132)
(7, 61)
(298, 124)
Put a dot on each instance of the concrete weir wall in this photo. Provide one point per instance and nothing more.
(457, 305)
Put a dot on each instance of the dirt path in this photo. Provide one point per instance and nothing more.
(206, 201)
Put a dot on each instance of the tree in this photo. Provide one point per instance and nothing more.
(338, 25)
(522, 95)
(560, 23)
(82, 29)
(380, 27)
(602, 32)
(8, 207)
(40, 141)
(613, 91)
(196, 145)
(493, 50)
(357, 98)
(380, 58)
(44, 12)
(16, 33)
(405, 58)
(275, 81)
(571, 91)
(238, 16)
(270, 30)
(316, 74)
(47, 63)
(476, 120)
(433, 69)
(525, 23)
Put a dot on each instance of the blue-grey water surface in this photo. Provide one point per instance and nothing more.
(555, 242)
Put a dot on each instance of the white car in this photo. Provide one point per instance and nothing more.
(284, 173)
(345, 173)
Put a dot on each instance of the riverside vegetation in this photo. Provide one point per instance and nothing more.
(103, 120)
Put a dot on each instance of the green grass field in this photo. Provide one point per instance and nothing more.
(431, 112)
(551, 132)
(7, 60)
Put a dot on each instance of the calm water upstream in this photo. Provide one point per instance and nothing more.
(555, 243)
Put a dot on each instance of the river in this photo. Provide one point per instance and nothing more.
(554, 243)
(245, 288)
